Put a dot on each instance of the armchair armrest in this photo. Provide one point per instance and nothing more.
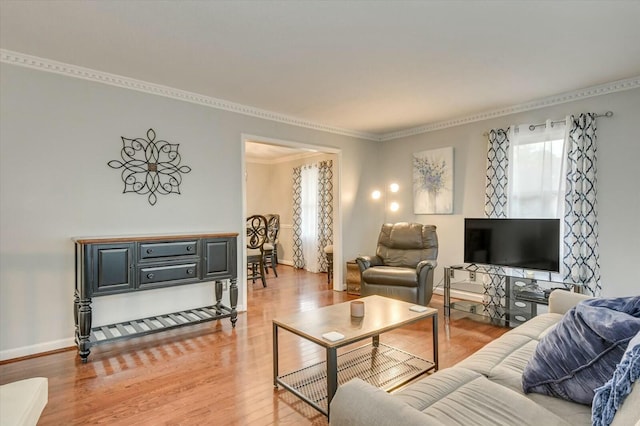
(560, 301)
(366, 262)
(426, 263)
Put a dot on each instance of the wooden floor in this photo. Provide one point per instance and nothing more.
(212, 373)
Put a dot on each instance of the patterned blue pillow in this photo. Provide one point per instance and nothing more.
(582, 351)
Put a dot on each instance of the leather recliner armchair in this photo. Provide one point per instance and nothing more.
(403, 265)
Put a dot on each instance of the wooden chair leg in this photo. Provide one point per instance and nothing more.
(262, 273)
(270, 261)
(274, 262)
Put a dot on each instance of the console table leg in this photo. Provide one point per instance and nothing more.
(218, 286)
(84, 328)
(76, 308)
(233, 298)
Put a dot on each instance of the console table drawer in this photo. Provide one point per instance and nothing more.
(148, 276)
(168, 249)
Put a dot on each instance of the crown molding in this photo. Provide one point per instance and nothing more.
(602, 89)
(42, 64)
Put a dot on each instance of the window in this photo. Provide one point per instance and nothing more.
(536, 183)
(550, 173)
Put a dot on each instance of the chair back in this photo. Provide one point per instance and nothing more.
(273, 228)
(256, 231)
(406, 244)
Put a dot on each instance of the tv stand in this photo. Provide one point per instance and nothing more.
(116, 265)
(508, 298)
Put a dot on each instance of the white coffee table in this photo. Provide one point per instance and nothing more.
(381, 365)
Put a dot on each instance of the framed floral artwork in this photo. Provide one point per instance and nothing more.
(433, 181)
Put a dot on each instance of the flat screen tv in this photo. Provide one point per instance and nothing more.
(516, 243)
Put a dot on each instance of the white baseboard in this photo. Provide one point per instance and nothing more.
(37, 349)
(285, 262)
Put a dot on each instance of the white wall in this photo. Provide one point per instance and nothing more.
(618, 181)
(57, 135)
(258, 178)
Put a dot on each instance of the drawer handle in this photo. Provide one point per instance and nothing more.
(189, 271)
(520, 318)
(149, 251)
(189, 248)
(521, 304)
(150, 276)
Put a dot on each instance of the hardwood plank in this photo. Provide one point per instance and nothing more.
(212, 373)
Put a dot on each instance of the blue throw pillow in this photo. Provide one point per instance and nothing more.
(582, 351)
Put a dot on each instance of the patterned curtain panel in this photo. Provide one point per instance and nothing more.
(325, 210)
(298, 258)
(495, 205)
(581, 253)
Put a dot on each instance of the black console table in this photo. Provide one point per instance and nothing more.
(114, 265)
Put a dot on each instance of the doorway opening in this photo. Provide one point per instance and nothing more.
(271, 162)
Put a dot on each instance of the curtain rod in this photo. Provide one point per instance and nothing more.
(533, 126)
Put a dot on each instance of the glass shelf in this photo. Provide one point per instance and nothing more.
(502, 295)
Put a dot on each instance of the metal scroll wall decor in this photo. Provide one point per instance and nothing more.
(150, 166)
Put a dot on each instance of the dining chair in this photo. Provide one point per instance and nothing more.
(256, 237)
(271, 246)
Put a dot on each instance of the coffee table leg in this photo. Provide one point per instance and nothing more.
(275, 356)
(375, 341)
(332, 375)
(435, 341)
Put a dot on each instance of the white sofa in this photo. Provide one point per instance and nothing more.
(22, 402)
(483, 389)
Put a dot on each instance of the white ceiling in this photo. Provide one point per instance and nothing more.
(374, 67)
